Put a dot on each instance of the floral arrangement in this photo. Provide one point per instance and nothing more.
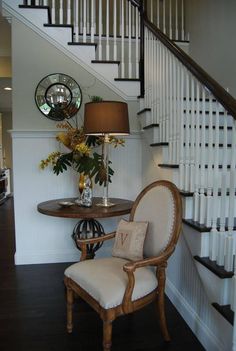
(80, 156)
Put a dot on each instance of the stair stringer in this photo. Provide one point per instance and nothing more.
(196, 243)
(59, 37)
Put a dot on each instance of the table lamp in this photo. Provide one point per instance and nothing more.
(106, 118)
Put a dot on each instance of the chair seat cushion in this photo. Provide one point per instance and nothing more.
(105, 280)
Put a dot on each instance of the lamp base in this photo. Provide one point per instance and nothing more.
(105, 203)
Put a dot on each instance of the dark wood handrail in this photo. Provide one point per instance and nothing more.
(215, 88)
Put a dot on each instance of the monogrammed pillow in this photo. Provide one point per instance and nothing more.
(129, 240)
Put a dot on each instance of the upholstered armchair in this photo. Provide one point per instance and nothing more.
(116, 286)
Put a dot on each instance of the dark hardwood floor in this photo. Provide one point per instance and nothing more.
(33, 314)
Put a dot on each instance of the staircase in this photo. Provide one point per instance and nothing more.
(187, 119)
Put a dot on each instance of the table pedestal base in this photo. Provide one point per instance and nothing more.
(87, 229)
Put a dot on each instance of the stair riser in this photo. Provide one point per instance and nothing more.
(189, 206)
(219, 290)
(108, 70)
(152, 135)
(198, 242)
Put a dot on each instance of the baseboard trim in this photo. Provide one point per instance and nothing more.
(47, 257)
(25, 258)
(209, 341)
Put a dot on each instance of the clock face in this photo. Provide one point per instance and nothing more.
(58, 96)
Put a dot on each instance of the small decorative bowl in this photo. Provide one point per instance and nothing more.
(65, 203)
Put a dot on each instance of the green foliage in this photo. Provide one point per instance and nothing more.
(94, 166)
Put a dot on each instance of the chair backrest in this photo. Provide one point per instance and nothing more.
(160, 204)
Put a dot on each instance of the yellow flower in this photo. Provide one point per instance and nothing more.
(64, 138)
(83, 149)
(51, 159)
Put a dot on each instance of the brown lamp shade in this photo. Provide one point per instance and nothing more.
(106, 117)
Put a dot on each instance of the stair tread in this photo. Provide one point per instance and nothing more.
(225, 311)
(150, 126)
(214, 268)
(186, 193)
(33, 7)
(58, 25)
(159, 144)
(207, 112)
(146, 109)
(167, 165)
(196, 225)
(81, 44)
(127, 79)
(213, 145)
(203, 228)
(105, 61)
(200, 99)
(207, 127)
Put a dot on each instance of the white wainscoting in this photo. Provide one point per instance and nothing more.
(44, 239)
(186, 292)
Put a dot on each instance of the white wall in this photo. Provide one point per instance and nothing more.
(212, 31)
(41, 239)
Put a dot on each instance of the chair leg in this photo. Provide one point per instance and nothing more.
(107, 335)
(70, 301)
(161, 303)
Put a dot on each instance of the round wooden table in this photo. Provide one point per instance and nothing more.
(88, 226)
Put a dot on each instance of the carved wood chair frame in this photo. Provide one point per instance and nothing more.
(129, 306)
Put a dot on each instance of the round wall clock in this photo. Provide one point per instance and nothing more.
(58, 96)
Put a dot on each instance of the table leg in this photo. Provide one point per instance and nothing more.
(86, 229)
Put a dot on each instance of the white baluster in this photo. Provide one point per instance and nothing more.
(210, 165)
(203, 162)
(126, 18)
(76, 20)
(68, 15)
(100, 30)
(187, 138)
(167, 98)
(229, 258)
(176, 21)
(137, 44)
(61, 12)
(155, 74)
(53, 12)
(84, 22)
(133, 14)
(115, 31)
(81, 15)
(164, 16)
(88, 26)
(151, 10)
(182, 20)
(36, 2)
(107, 31)
(221, 251)
(170, 20)
(197, 159)
(181, 147)
(192, 138)
(174, 112)
(213, 245)
(129, 45)
(122, 63)
(158, 13)
(93, 25)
